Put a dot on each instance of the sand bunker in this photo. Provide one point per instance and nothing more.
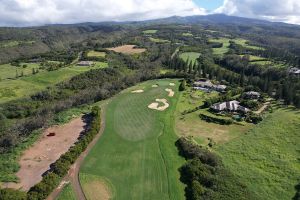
(137, 91)
(155, 105)
(171, 92)
(155, 86)
(172, 84)
(37, 159)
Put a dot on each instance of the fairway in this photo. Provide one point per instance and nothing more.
(136, 154)
(190, 56)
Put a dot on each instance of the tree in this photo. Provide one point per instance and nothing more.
(182, 85)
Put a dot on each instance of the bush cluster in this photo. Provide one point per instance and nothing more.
(216, 119)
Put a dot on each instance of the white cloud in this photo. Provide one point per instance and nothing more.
(274, 10)
(38, 12)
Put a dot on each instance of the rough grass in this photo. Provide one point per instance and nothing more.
(192, 125)
(8, 71)
(96, 54)
(25, 86)
(191, 56)
(136, 152)
(267, 158)
(150, 31)
(67, 193)
(14, 43)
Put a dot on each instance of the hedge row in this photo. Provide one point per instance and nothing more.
(216, 119)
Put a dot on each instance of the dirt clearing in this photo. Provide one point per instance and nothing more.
(155, 105)
(137, 91)
(171, 92)
(127, 49)
(37, 159)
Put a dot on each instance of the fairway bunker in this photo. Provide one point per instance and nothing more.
(137, 91)
(171, 92)
(155, 105)
(172, 84)
(155, 86)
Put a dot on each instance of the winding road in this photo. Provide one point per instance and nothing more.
(73, 174)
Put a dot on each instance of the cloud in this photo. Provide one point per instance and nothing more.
(39, 12)
(274, 10)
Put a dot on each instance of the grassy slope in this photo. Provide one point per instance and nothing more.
(136, 152)
(22, 87)
(96, 54)
(8, 71)
(67, 193)
(267, 158)
(191, 56)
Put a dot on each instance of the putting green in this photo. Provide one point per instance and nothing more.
(136, 152)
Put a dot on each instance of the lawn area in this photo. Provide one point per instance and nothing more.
(7, 71)
(191, 56)
(266, 159)
(25, 86)
(157, 40)
(96, 54)
(150, 31)
(136, 154)
(192, 125)
(67, 193)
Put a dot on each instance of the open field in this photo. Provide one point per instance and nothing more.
(37, 159)
(267, 158)
(25, 86)
(150, 31)
(191, 56)
(67, 193)
(127, 49)
(14, 43)
(96, 54)
(158, 40)
(136, 153)
(8, 71)
(192, 125)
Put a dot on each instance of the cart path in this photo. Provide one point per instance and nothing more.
(73, 173)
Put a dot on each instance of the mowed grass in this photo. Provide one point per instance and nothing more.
(150, 31)
(190, 56)
(67, 193)
(158, 40)
(96, 54)
(26, 86)
(136, 153)
(267, 158)
(191, 124)
(244, 43)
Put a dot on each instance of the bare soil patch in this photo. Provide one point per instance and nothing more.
(127, 49)
(155, 105)
(37, 159)
(137, 91)
(171, 92)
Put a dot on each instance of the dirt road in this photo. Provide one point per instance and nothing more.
(73, 174)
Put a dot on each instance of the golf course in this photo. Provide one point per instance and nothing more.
(136, 157)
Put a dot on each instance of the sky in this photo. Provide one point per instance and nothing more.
(40, 12)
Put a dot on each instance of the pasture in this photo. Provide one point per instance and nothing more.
(266, 159)
(190, 56)
(7, 71)
(96, 54)
(128, 49)
(27, 85)
(136, 154)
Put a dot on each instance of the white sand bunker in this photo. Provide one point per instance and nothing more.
(137, 91)
(171, 92)
(155, 86)
(155, 105)
(172, 84)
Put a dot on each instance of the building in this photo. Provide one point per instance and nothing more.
(85, 63)
(252, 95)
(294, 70)
(208, 86)
(232, 106)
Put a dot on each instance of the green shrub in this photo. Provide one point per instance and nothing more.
(216, 120)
